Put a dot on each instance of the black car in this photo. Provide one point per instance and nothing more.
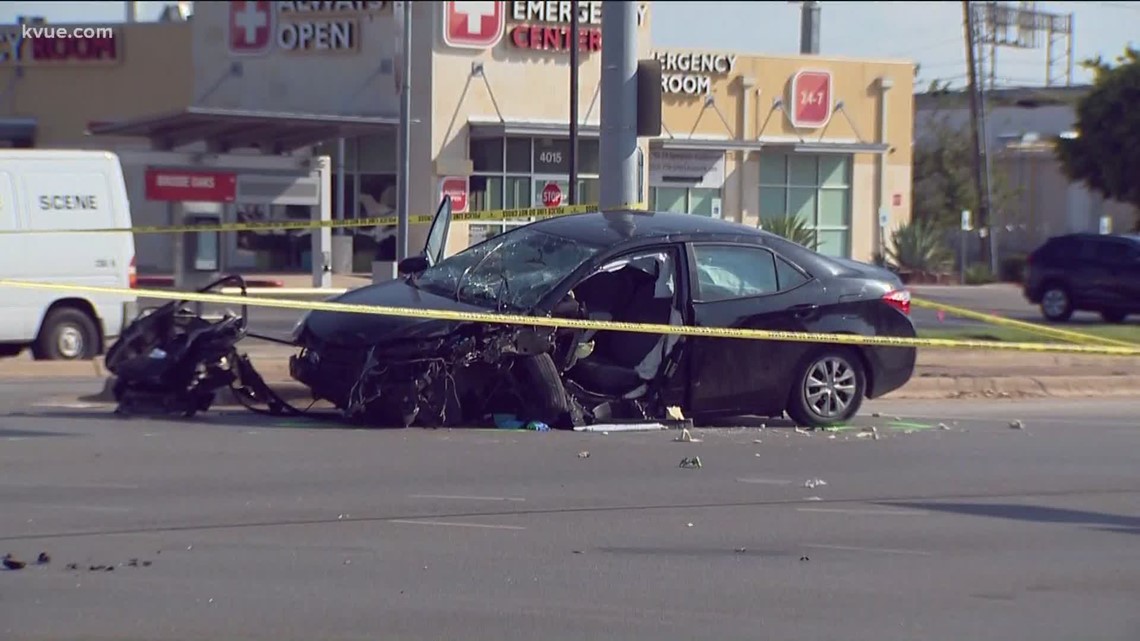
(631, 266)
(1085, 272)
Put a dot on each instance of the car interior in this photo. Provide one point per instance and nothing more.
(641, 288)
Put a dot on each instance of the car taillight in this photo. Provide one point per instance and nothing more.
(133, 274)
(899, 299)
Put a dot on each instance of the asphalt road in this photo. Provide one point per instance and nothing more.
(1002, 300)
(249, 528)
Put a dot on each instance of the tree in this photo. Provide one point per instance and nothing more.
(1105, 154)
(943, 180)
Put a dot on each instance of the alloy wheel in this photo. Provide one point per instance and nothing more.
(1055, 303)
(830, 387)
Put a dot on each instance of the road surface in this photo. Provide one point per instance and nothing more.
(251, 528)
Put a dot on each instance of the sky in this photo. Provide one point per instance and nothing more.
(928, 33)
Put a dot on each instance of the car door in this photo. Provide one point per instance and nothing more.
(739, 286)
(436, 244)
(1121, 273)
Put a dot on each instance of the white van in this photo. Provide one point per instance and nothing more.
(42, 190)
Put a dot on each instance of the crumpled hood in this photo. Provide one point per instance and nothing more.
(348, 329)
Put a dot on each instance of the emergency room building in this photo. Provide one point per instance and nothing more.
(242, 94)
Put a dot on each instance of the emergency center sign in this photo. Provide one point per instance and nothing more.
(473, 24)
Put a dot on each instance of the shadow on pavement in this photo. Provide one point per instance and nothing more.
(1037, 514)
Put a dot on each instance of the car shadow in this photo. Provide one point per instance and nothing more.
(1103, 521)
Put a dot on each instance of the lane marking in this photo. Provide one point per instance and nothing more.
(466, 498)
(765, 481)
(454, 524)
(69, 486)
(854, 548)
(71, 406)
(84, 508)
(869, 512)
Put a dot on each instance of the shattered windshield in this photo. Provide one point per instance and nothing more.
(510, 271)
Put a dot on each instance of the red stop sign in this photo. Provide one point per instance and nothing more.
(551, 195)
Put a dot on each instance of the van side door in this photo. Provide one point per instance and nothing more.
(17, 320)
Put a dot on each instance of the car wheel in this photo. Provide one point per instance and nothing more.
(67, 334)
(545, 397)
(829, 389)
(1056, 305)
(1113, 316)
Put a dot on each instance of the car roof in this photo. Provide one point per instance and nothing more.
(618, 226)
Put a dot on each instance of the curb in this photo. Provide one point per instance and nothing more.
(168, 282)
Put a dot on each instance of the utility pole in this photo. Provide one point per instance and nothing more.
(980, 189)
(574, 50)
(404, 137)
(809, 28)
(618, 144)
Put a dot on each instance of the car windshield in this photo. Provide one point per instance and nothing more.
(511, 271)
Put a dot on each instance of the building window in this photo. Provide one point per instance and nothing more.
(813, 188)
(511, 173)
(685, 200)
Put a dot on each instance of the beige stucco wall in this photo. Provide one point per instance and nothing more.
(152, 74)
(527, 85)
(743, 109)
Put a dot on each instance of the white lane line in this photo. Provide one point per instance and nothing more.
(466, 498)
(69, 486)
(765, 481)
(84, 508)
(71, 406)
(853, 548)
(839, 510)
(454, 524)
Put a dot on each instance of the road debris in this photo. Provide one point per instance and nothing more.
(1016, 425)
(757, 441)
(71, 566)
(691, 463)
(674, 413)
(804, 558)
(813, 483)
(800, 430)
(686, 437)
(877, 415)
(741, 550)
(11, 563)
(43, 559)
(583, 454)
(943, 426)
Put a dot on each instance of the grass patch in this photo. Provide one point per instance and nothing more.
(1125, 332)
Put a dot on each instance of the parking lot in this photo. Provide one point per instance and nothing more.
(232, 525)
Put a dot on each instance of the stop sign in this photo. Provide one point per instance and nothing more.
(551, 195)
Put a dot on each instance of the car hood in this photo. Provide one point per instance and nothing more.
(348, 328)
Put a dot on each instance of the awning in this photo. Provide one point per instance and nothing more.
(17, 130)
(226, 129)
(810, 147)
(483, 129)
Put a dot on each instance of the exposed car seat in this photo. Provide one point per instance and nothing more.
(623, 362)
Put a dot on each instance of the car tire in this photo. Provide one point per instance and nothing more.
(1056, 304)
(544, 395)
(67, 334)
(829, 388)
(1113, 316)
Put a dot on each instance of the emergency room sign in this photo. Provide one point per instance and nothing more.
(473, 24)
(811, 99)
(173, 185)
(455, 188)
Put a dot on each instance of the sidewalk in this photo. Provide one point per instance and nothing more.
(268, 280)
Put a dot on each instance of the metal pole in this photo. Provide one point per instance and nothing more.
(575, 45)
(340, 203)
(809, 28)
(618, 144)
(404, 139)
(975, 107)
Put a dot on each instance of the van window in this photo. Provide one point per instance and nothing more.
(71, 200)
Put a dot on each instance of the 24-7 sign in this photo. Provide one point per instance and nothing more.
(811, 96)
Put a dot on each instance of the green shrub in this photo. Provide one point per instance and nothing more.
(1012, 268)
(793, 229)
(918, 248)
(979, 275)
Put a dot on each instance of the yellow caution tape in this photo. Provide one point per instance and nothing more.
(545, 321)
(490, 215)
(1034, 328)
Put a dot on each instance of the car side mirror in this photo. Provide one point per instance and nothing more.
(413, 265)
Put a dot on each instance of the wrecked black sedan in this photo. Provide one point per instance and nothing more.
(628, 266)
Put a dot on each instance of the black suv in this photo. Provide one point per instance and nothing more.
(1085, 272)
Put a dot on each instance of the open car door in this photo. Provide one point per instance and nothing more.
(436, 243)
